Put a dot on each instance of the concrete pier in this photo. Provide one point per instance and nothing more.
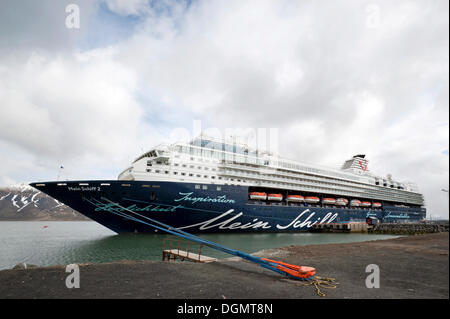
(383, 228)
(173, 254)
(352, 227)
(410, 228)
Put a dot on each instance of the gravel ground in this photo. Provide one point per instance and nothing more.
(410, 267)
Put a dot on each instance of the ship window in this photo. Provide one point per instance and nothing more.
(153, 195)
(184, 165)
(219, 188)
(204, 187)
(191, 174)
(213, 177)
(205, 176)
(197, 186)
(176, 164)
(175, 173)
(166, 172)
(157, 171)
(149, 170)
(198, 175)
(220, 177)
(183, 174)
(199, 167)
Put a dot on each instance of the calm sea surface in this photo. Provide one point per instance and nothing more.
(61, 243)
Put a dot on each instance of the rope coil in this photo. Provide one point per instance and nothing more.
(319, 283)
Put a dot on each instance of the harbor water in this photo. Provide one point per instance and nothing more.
(47, 243)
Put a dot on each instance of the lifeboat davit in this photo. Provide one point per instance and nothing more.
(258, 195)
(328, 201)
(277, 197)
(376, 205)
(366, 204)
(341, 202)
(312, 199)
(295, 198)
(355, 202)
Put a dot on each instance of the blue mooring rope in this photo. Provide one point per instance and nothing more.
(180, 233)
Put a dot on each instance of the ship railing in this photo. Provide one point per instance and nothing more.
(303, 185)
(365, 188)
(344, 190)
(391, 194)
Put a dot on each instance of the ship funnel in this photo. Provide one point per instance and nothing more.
(357, 163)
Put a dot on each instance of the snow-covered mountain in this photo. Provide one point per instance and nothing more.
(23, 202)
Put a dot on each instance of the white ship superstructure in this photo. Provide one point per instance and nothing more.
(208, 161)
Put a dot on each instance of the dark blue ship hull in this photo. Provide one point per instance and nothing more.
(203, 208)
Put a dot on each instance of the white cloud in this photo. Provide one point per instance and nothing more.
(334, 84)
(128, 7)
(70, 107)
(337, 77)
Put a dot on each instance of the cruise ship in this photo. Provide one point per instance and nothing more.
(211, 185)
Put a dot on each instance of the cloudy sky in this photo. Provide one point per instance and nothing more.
(336, 78)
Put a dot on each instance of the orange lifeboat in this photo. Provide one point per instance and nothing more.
(341, 202)
(366, 204)
(277, 197)
(312, 199)
(355, 202)
(258, 195)
(376, 205)
(328, 201)
(295, 198)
